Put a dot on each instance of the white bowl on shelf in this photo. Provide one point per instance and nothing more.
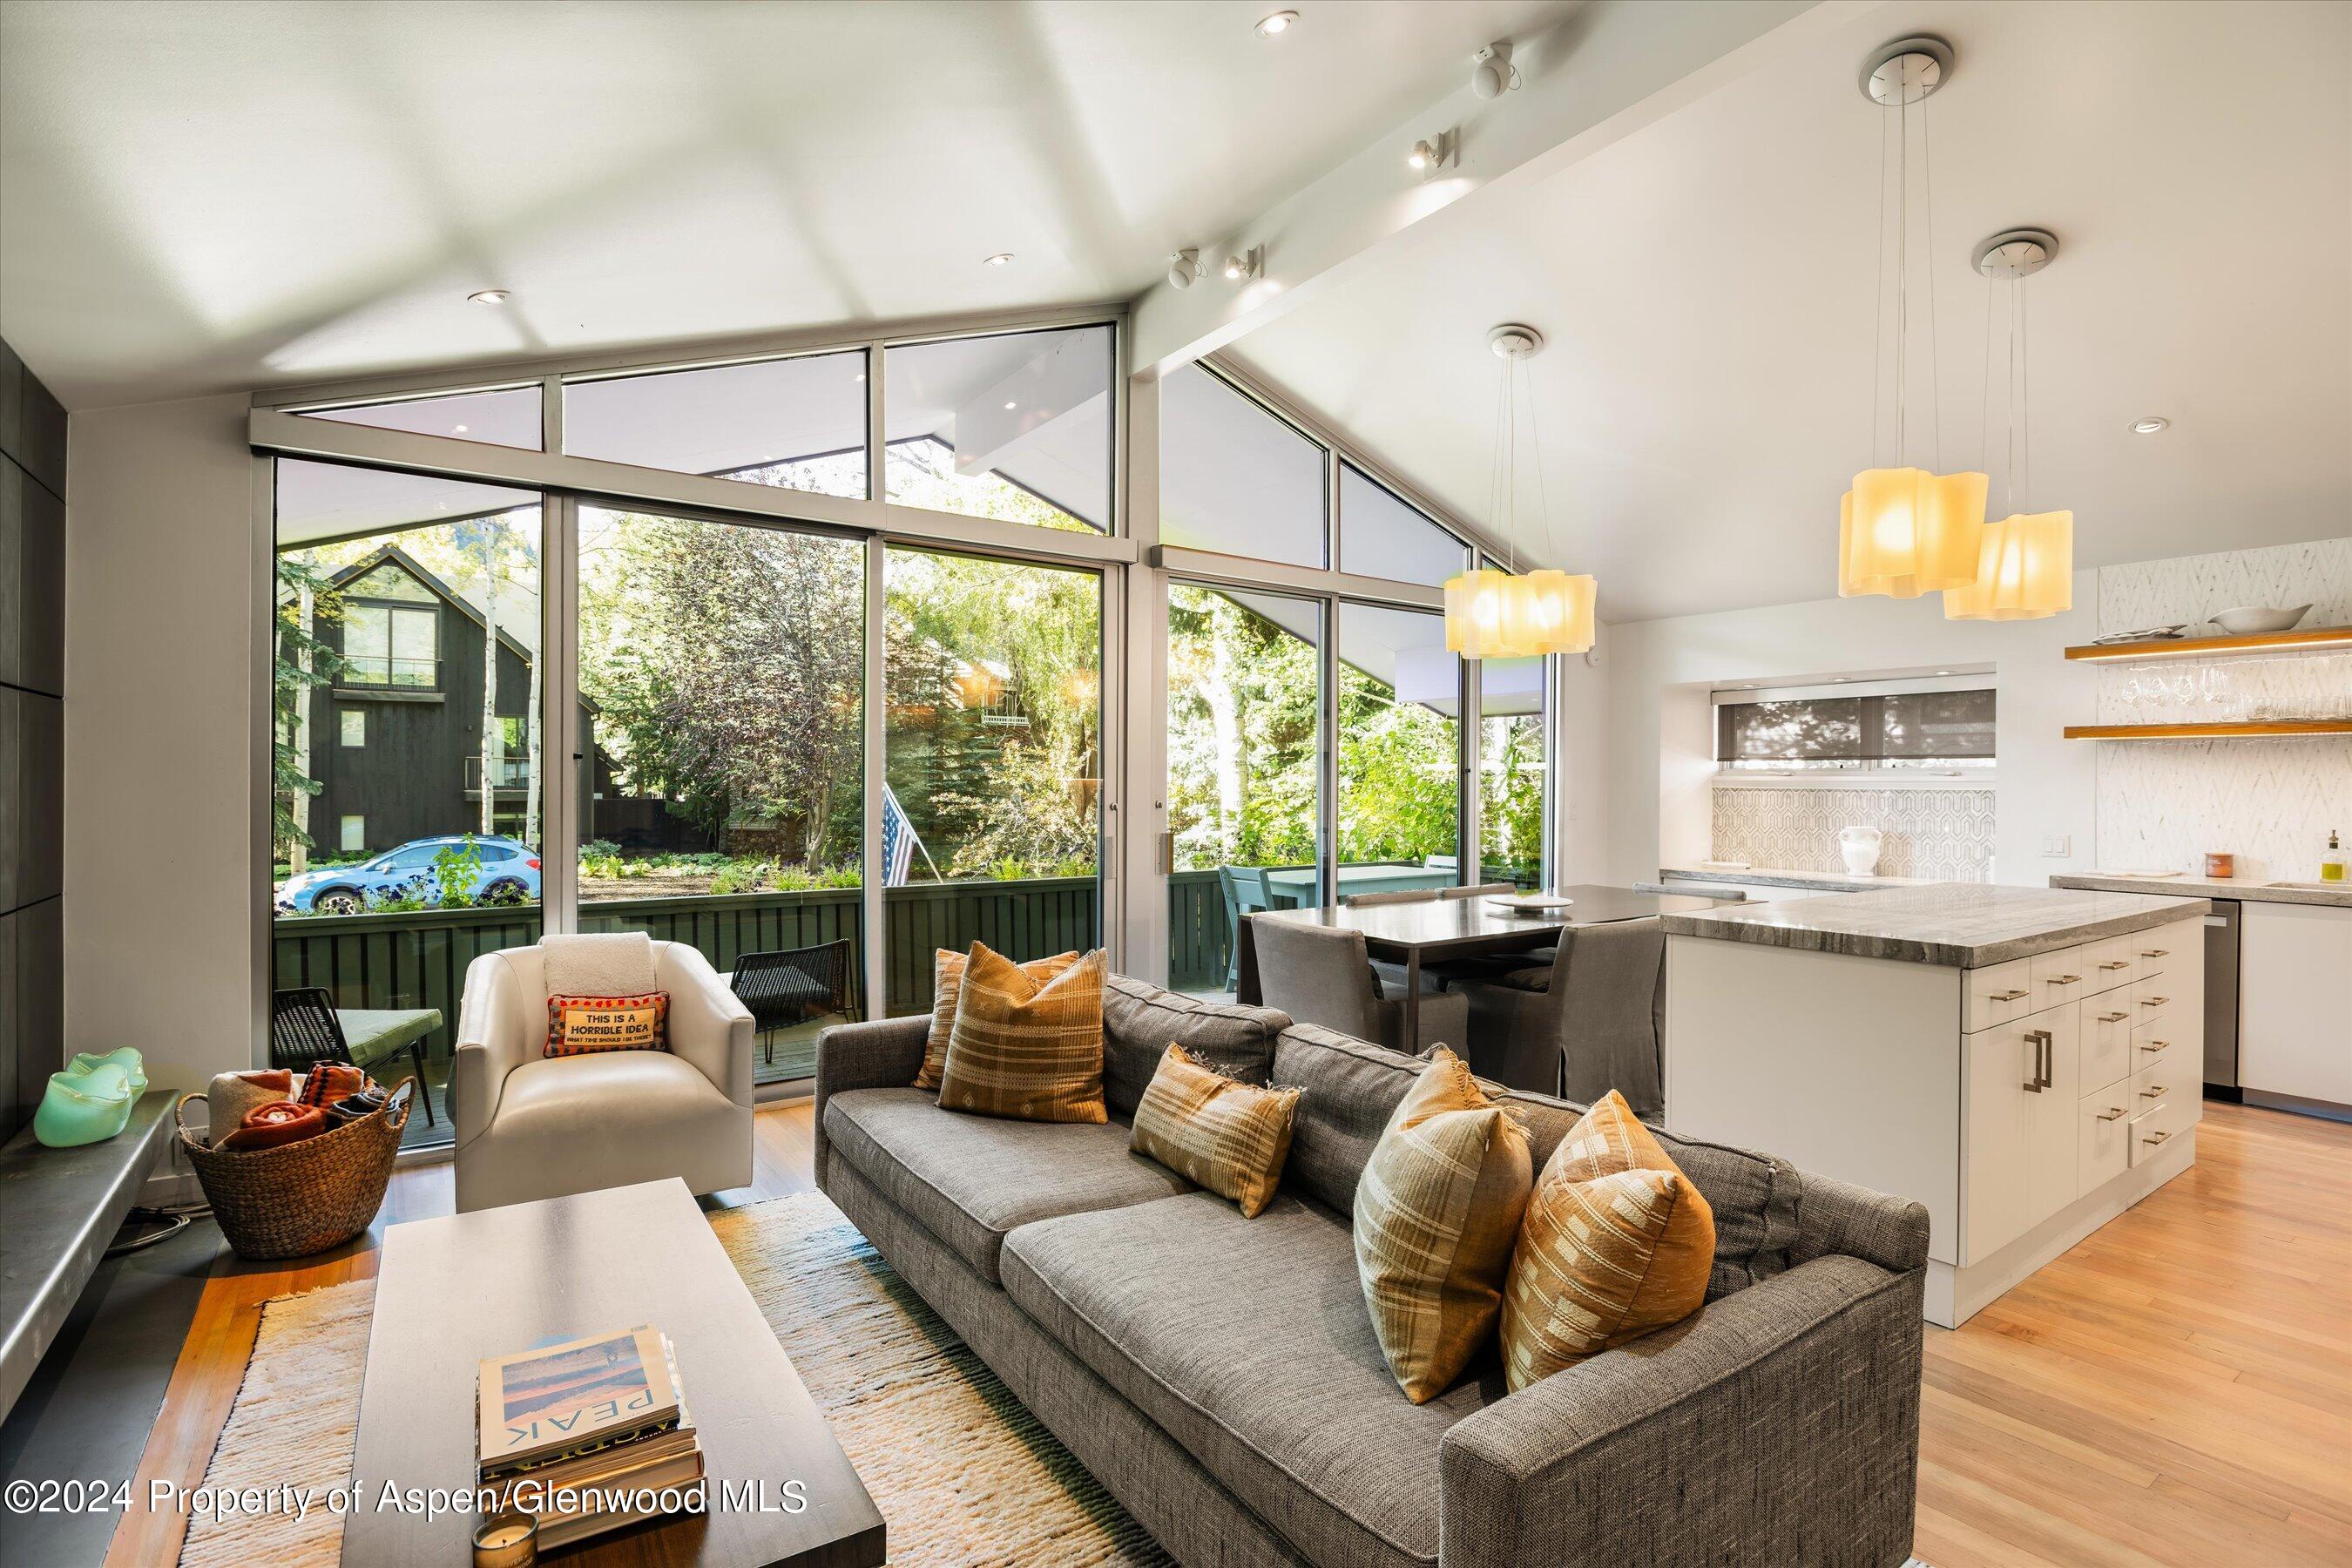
(2249, 620)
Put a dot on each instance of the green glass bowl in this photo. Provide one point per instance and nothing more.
(88, 1103)
(127, 1057)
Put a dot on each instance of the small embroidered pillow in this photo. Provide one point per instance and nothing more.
(1231, 1137)
(577, 1026)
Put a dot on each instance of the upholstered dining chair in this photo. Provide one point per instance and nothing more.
(530, 1125)
(1245, 890)
(1483, 890)
(1584, 1023)
(1321, 975)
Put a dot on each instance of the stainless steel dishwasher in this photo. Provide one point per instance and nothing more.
(2222, 1000)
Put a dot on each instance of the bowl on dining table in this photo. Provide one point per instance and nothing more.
(2249, 620)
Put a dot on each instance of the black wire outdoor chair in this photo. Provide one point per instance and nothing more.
(304, 1031)
(786, 988)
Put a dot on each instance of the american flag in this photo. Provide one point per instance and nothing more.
(898, 841)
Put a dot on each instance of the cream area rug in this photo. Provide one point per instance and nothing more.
(959, 1468)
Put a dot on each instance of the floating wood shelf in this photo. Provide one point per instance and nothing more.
(2313, 638)
(2251, 730)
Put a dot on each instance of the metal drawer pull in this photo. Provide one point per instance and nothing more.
(2156, 952)
(2113, 1017)
(2008, 996)
(2156, 1137)
(2117, 963)
(2111, 1115)
(2153, 1092)
(2152, 1047)
(2154, 1001)
(2064, 979)
(2042, 1066)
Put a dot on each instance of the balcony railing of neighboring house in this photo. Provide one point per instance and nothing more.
(367, 672)
(506, 772)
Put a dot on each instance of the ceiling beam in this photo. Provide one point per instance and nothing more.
(1613, 67)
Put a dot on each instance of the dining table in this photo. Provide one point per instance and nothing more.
(1412, 933)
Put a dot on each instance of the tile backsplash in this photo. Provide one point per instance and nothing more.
(1945, 834)
(2271, 803)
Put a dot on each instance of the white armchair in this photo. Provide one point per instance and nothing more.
(534, 1126)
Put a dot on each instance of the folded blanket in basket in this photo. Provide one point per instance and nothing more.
(327, 1082)
(234, 1094)
(275, 1125)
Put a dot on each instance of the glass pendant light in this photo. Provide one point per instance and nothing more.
(2025, 571)
(1492, 614)
(1905, 530)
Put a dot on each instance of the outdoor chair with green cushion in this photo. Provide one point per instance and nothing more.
(781, 989)
(1245, 893)
(305, 1029)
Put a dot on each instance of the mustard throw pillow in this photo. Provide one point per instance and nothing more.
(1229, 1136)
(1437, 1212)
(1616, 1243)
(946, 984)
(1026, 1048)
(576, 1026)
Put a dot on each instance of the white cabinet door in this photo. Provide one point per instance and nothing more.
(2104, 1124)
(2294, 1008)
(2023, 1085)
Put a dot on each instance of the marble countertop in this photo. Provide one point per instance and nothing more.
(1963, 925)
(2339, 897)
(1770, 876)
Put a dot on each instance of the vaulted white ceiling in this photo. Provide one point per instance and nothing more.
(1706, 285)
(199, 196)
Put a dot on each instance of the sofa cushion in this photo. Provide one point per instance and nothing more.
(1352, 1087)
(1140, 1020)
(1247, 1342)
(970, 1179)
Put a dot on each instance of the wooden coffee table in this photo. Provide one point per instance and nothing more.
(452, 1292)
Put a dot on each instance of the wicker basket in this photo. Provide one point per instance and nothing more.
(302, 1197)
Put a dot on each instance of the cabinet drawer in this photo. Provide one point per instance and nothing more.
(2064, 976)
(2158, 1084)
(2107, 1033)
(2151, 994)
(1997, 995)
(2153, 952)
(2112, 963)
(2153, 1050)
(2103, 1139)
(2152, 1128)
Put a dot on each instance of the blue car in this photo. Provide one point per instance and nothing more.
(509, 874)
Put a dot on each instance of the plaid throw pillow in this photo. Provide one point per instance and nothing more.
(947, 986)
(1616, 1243)
(1231, 1137)
(1437, 1211)
(1027, 1049)
(579, 1026)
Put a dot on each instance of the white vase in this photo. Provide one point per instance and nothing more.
(1860, 847)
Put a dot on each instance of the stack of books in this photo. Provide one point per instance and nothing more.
(589, 1435)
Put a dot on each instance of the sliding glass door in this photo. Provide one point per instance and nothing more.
(992, 824)
(1512, 770)
(722, 779)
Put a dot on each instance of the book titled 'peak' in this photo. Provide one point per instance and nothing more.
(576, 1397)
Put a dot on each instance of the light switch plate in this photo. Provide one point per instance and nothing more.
(2057, 847)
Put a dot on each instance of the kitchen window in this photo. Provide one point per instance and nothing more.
(1884, 730)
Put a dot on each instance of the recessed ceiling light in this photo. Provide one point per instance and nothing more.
(489, 296)
(1276, 23)
(1942, 672)
(1011, 406)
(1001, 258)
(2149, 424)
(456, 429)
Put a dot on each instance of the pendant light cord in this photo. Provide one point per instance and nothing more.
(1878, 309)
(1902, 269)
(1934, 352)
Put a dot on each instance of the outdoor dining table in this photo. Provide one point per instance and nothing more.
(1410, 933)
(1296, 886)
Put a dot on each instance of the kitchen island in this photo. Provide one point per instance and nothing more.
(2023, 1061)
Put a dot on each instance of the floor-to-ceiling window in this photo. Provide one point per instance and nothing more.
(409, 787)
(1512, 770)
(722, 699)
(993, 766)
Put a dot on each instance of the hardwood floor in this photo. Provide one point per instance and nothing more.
(2176, 1390)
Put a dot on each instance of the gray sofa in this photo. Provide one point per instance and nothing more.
(1219, 1375)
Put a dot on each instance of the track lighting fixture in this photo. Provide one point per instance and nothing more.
(1185, 267)
(1250, 263)
(1432, 153)
(1492, 74)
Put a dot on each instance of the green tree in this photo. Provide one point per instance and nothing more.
(303, 662)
